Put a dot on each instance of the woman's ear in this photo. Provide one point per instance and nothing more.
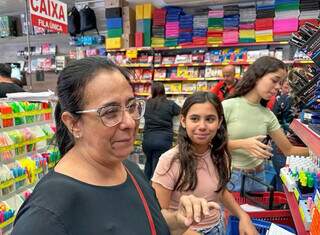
(182, 121)
(72, 123)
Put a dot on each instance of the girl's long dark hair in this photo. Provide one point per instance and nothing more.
(220, 155)
(158, 95)
(261, 67)
(70, 90)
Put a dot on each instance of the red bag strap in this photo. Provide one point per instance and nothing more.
(144, 202)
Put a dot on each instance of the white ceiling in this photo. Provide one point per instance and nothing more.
(15, 7)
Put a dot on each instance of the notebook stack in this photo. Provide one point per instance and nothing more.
(247, 19)
(200, 29)
(186, 28)
(172, 26)
(286, 19)
(114, 27)
(143, 24)
(215, 26)
(264, 21)
(158, 27)
(231, 23)
(309, 12)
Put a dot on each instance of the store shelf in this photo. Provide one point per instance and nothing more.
(308, 136)
(222, 45)
(180, 93)
(19, 190)
(186, 79)
(6, 223)
(142, 94)
(298, 61)
(136, 65)
(294, 209)
(200, 46)
(22, 126)
(201, 64)
(140, 81)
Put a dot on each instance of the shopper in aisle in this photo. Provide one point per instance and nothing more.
(249, 122)
(93, 189)
(283, 109)
(6, 83)
(158, 133)
(200, 165)
(225, 87)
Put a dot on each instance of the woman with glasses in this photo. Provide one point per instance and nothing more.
(93, 189)
(158, 133)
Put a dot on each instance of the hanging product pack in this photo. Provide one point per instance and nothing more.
(73, 21)
(88, 19)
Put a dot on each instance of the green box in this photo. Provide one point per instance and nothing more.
(115, 33)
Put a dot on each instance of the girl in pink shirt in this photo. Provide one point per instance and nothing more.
(200, 165)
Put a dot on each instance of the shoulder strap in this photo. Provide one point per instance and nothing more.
(144, 202)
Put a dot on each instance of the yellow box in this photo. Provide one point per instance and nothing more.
(113, 43)
(147, 11)
(139, 12)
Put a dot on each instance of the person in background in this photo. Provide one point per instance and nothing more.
(158, 132)
(249, 122)
(225, 87)
(283, 106)
(93, 189)
(200, 164)
(7, 85)
(283, 109)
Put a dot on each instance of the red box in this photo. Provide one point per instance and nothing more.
(138, 39)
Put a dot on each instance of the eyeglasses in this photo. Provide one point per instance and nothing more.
(112, 115)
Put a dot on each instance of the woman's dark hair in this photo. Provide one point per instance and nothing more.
(158, 95)
(261, 67)
(70, 90)
(157, 89)
(5, 70)
(220, 155)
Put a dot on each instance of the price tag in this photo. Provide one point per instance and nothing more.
(39, 170)
(132, 53)
(6, 116)
(6, 184)
(51, 165)
(296, 193)
(7, 222)
(20, 178)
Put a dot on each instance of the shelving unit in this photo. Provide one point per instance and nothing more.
(26, 134)
(294, 209)
(308, 136)
(312, 140)
(161, 65)
(186, 79)
(201, 46)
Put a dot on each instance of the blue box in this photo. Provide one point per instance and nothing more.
(114, 23)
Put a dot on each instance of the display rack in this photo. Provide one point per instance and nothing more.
(312, 140)
(294, 209)
(201, 46)
(159, 65)
(26, 131)
(308, 136)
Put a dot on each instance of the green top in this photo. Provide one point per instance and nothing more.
(245, 120)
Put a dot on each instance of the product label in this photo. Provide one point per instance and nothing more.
(7, 184)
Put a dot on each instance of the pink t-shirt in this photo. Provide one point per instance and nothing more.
(207, 182)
